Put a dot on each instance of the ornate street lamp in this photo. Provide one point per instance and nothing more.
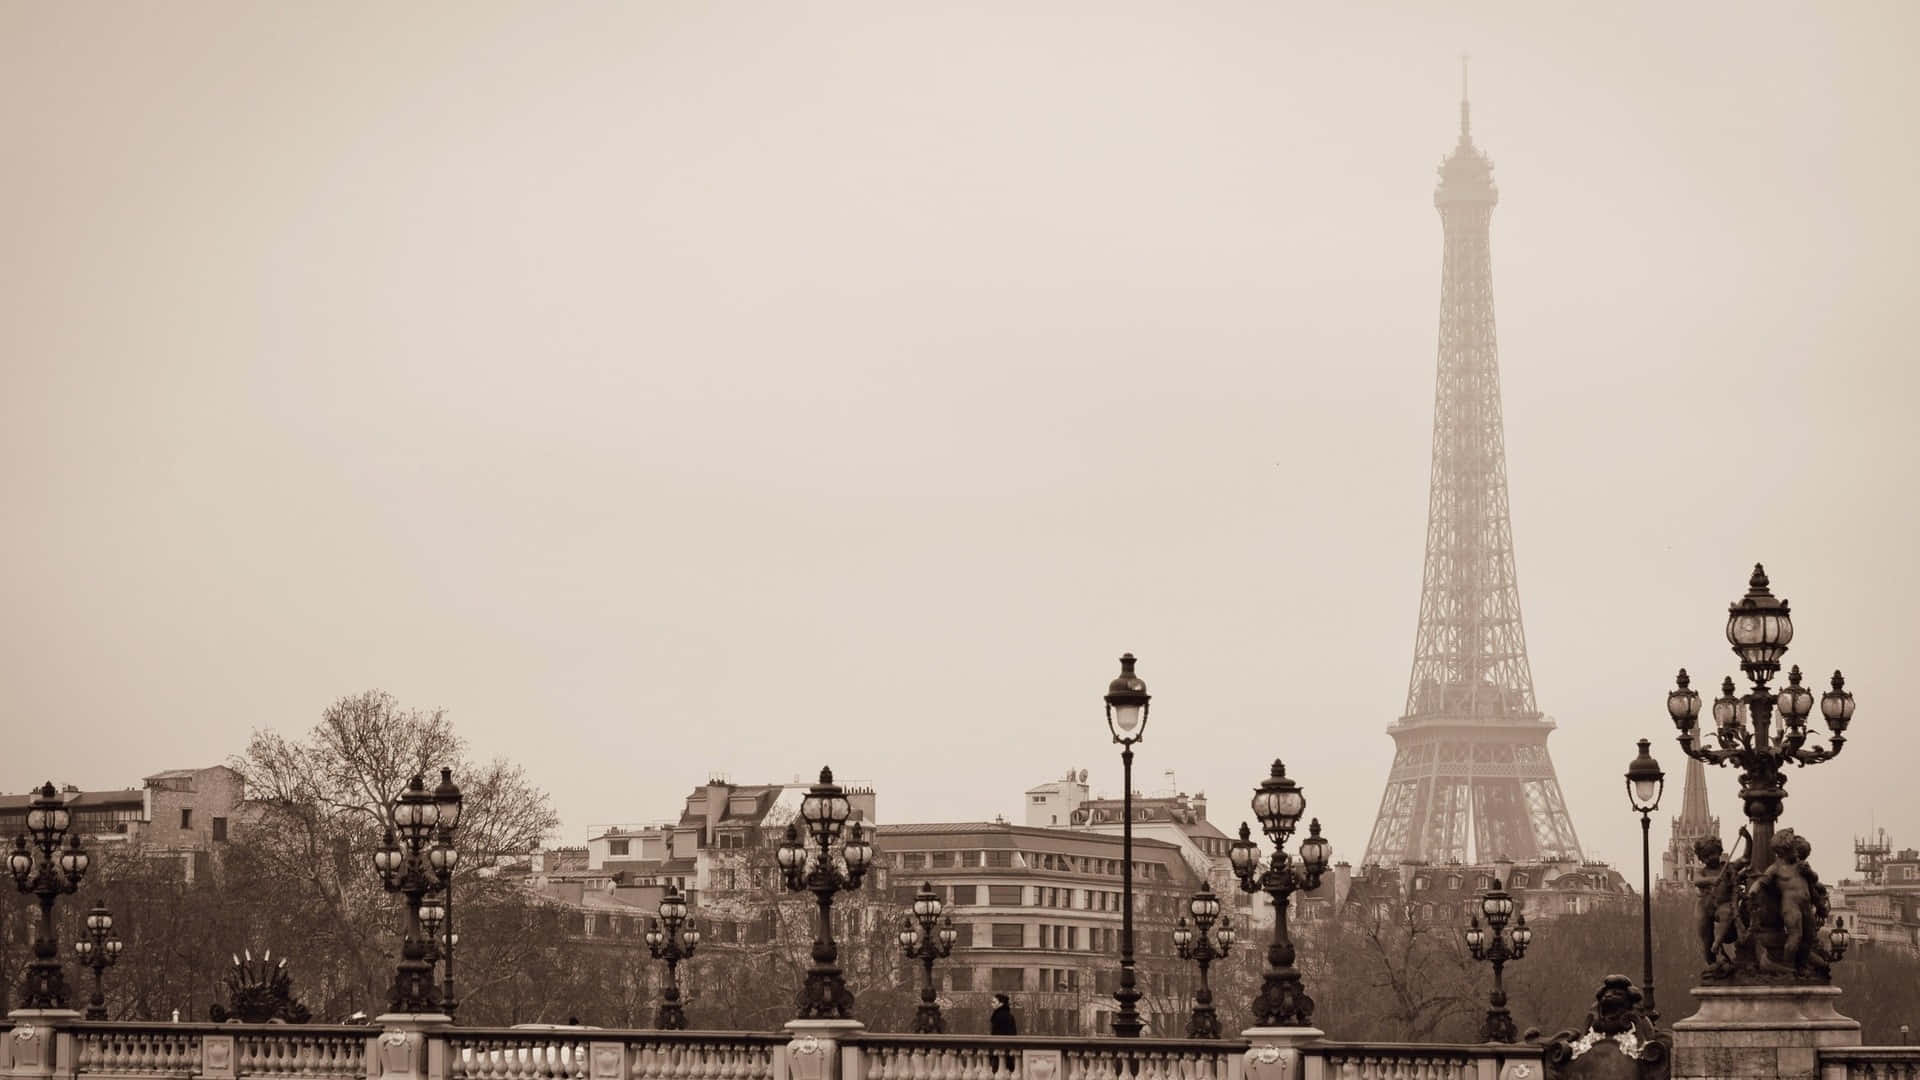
(673, 944)
(1127, 706)
(813, 867)
(1493, 944)
(445, 857)
(1279, 802)
(57, 870)
(418, 850)
(1759, 627)
(99, 949)
(921, 940)
(1203, 948)
(1645, 783)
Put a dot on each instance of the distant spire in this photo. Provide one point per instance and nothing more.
(1466, 123)
(1694, 819)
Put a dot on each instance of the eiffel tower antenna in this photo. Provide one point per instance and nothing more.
(1471, 779)
(1466, 122)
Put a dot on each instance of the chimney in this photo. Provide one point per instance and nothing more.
(1342, 883)
(717, 791)
(1503, 869)
(1199, 804)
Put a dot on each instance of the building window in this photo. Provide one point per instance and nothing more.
(964, 940)
(219, 830)
(942, 860)
(966, 894)
(1006, 978)
(616, 847)
(912, 860)
(1009, 936)
(186, 817)
(1000, 859)
(1004, 895)
(959, 978)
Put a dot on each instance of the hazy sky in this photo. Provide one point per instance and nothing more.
(674, 388)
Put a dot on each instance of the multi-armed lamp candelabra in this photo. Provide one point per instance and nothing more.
(922, 940)
(99, 949)
(1279, 802)
(419, 862)
(672, 944)
(57, 870)
(813, 867)
(1759, 627)
(1203, 944)
(1498, 945)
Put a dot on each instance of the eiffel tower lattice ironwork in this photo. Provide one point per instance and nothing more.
(1471, 751)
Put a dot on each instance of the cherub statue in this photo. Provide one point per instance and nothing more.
(1713, 861)
(1722, 904)
(1787, 877)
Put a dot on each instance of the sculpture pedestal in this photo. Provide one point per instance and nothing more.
(1742, 1032)
(813, 1052)
(402, 1051)
(32, 1048)
(1275, 1053)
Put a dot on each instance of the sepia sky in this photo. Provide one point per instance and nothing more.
(668, 389)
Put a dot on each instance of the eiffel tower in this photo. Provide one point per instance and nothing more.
(1471, 751)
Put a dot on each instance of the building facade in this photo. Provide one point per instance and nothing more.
(183, 814)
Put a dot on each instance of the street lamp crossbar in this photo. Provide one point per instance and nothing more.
(1278, 803)
(99, 949)
(46, 868)
(926, 935)
(1203, 944)
(1497, 944)
(672, 939)
(417, 860)
(813, 867)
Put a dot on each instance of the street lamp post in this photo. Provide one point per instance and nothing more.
(1498, 945)
(813, 867)
(412, 865)
(1278, 803)
(1783, 938)
(445, 857)
(57, 870)
(921, 940)
(673, 944)
(1127, 706)
(99, 949)
(1203, 948)
(1645, 783)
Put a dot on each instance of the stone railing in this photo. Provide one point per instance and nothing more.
(1422, 1061)
(139, 1049)
(62, 1049)
(987, 1057)
(1869, 1063)
(520, 1054)
(277, 1052)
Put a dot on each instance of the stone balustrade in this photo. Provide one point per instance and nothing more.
(1423, 1061)
(520, 1054)
(65, 1049)
(1870, 1063)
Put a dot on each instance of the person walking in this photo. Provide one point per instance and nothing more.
(1000, 1022)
